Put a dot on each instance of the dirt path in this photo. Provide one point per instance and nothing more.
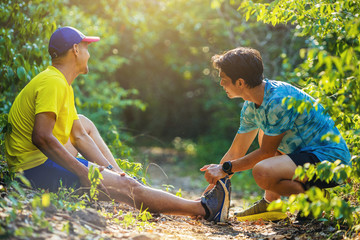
(107, 220)
(112, 223)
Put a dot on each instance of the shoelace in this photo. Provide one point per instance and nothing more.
(210, 193)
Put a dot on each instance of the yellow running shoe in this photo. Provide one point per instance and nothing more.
(259, 211)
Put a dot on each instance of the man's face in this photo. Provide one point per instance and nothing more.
(83, 57)
(232, 90)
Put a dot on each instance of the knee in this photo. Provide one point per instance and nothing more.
(262, 175)
(88, 125)
(84, 119)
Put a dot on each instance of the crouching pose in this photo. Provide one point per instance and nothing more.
(47, 134)
(287, 138)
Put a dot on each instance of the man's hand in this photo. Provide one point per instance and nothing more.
(213, 173)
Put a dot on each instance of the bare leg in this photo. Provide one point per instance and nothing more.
(91, 129)
(125, 189)
(275, 175)
(71, 148)
(95, 135)
(269, 195)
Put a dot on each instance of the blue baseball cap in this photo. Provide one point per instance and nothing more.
(64, 38)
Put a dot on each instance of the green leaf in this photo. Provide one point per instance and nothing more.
(21, 73)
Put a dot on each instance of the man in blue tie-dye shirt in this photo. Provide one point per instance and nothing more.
(287, 138)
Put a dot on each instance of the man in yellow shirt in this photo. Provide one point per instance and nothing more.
(47, 134)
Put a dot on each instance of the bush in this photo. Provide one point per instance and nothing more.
(329, 72)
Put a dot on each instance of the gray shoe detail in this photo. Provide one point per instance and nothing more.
(217, 201)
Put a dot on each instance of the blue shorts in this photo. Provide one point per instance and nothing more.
(306, 157)
(49, 174)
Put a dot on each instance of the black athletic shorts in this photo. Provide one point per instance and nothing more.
(305, 157)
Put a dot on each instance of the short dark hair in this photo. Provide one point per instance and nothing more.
(245, 63)
(53, 55)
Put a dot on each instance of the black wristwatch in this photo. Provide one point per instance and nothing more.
(110, 167)
(226, 167)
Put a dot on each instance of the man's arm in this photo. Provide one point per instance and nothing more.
(268, 149)
(238, 149)
(43, 138)
(239, 146)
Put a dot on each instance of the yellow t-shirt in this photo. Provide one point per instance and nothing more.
(47, 92)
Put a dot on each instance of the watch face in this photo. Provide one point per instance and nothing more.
(226, 166)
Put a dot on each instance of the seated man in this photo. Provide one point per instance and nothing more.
(287, 138)
(47, 133)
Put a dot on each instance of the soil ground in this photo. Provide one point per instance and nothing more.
(106, 220)
(111, 223)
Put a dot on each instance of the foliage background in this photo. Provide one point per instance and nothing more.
(151, 81)
(152, 55)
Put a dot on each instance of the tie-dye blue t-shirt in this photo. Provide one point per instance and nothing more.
(304, 131)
